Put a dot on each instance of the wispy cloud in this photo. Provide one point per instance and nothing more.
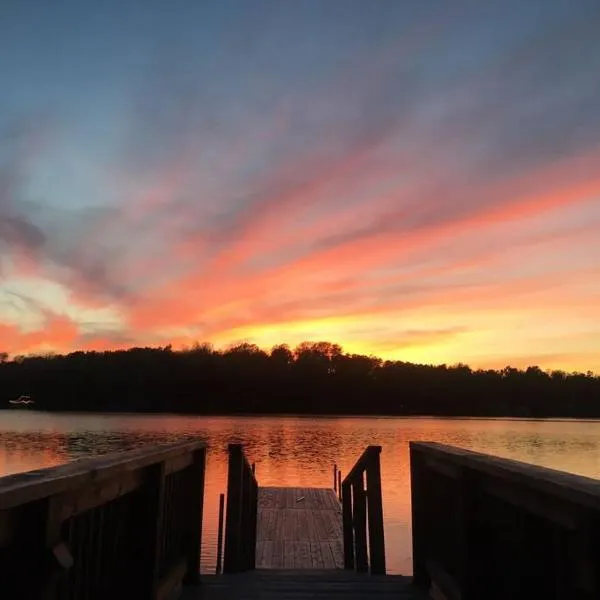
(412, 182)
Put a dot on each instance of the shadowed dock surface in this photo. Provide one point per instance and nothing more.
(295, 585)
(299, 528)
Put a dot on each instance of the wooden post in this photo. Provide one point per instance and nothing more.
(246, 542)
(335, 480)
(220, 534)
(27, 566)
(348, 528)
(151, 530)
(375, 514)
(360, 524)
(194, 520)
(253, 521)
(418, 494)
(233, 520)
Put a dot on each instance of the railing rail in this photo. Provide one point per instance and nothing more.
(126, 524)
(486, 527)
(242, 511)
(362, 512)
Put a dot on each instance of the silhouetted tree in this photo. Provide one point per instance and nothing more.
(314, 378)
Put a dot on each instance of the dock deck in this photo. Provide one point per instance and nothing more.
(269, 584)
(129, 525)
(299, 554)
(299, 528)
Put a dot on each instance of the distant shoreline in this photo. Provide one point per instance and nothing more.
(308, 416)
(313, 379)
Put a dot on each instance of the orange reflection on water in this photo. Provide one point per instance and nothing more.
(298, 451)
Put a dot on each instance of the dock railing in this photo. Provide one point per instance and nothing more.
(242, 510)
(362, 514)
(487, 527)
(120, 525)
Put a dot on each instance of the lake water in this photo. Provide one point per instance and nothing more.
(298, 451)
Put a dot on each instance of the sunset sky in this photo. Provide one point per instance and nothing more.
(416, 180)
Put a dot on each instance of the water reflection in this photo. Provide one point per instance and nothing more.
(298, 451)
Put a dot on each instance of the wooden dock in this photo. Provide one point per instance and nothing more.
(300, 554)
(272, 584)
(291, 542)
(299, 528)
(129, 525)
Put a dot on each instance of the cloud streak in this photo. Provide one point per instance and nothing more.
(423, 185)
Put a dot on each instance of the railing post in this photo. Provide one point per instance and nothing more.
(194, 518)
(360, 523)
(348, 526)
(253, 521)
(28, 564)
(246, 515)
(375, 513)
(233, 521)
(418, 495)
(151, 518)
(220, 534)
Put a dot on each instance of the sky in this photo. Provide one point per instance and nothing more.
(415, 180)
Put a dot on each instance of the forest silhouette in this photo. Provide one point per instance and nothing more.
(313, 378)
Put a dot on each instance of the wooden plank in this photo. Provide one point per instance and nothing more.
(302, 556)
(311, 527)
(288, 556)
(303, 526)
(302, 532)
(297, 585)
(316, 556)
(327, 554)
(278, 556)
(290, 520)
(194, 506)
(263, 550)
(337, 550)
(375, 518)
(22, 488)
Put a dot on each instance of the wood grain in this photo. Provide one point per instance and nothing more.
(299, 528)
(313, 584)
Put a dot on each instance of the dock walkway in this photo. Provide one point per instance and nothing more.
(269, 584)
(129, 525)
(299, 528)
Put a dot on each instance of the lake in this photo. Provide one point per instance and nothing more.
(298, 451)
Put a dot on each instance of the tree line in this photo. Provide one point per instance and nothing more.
(313, 378)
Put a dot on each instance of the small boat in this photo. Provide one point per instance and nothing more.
(21, 402)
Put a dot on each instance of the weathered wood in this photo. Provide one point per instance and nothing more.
(82, 474)
(348, 526)
(304, 585)
(220, 534)
(358, 511)
(240, 524)
(419, 512)
(152, 505)
(359, 518)
(363, 462)
(375, 517)
(103, 528)
(298, 528)
(233, 521)
(507, 529)
(195, 509)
